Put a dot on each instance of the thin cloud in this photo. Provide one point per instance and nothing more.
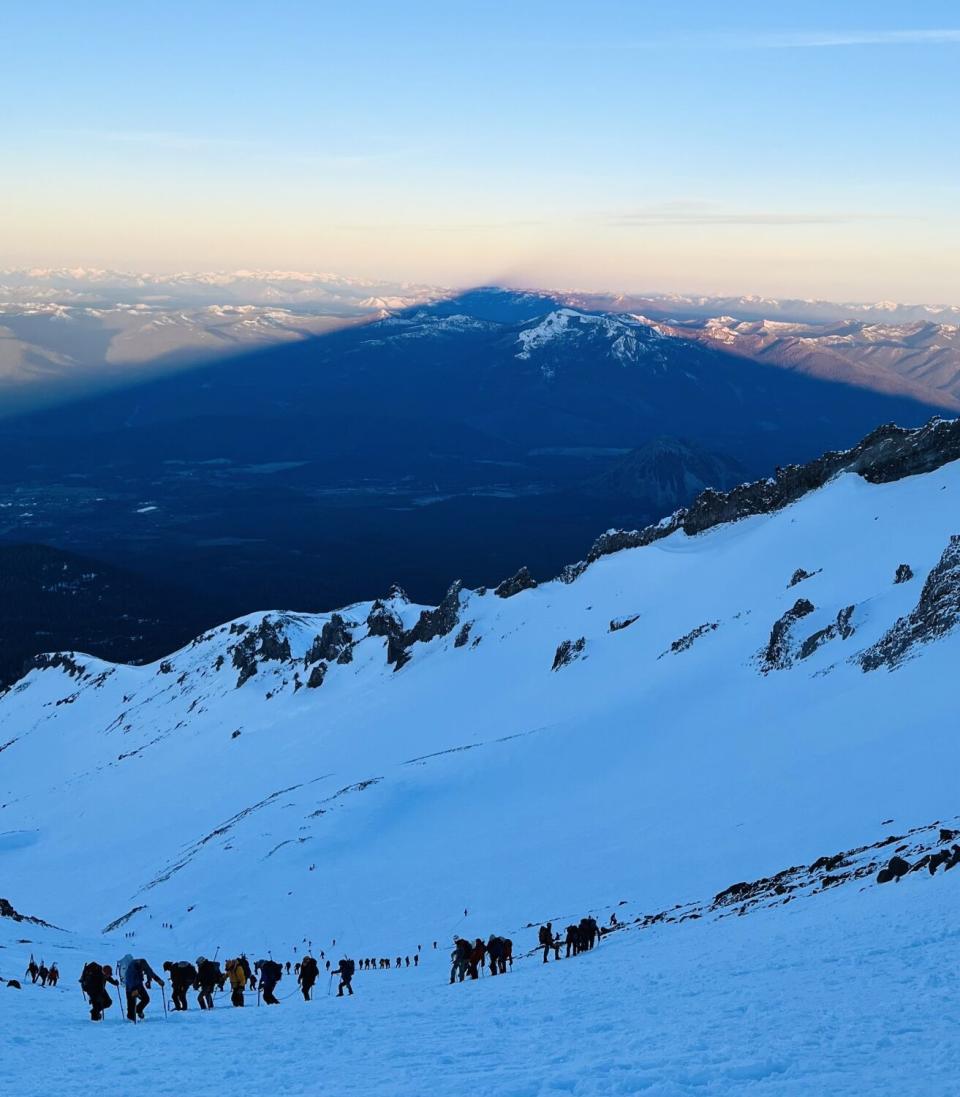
(945, 36)
(171, 141)
(706, 213)
(797, 39)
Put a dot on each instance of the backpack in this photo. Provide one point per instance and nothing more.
(348, 967)
(272, 970)
(309, 969)
(91, 978)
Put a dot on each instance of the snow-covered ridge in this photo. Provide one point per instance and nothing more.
(712, 682)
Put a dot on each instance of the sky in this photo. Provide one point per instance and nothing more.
(801, 149)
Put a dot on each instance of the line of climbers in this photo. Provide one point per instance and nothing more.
(384, 964)
(206, 977)
(137, 977)
(468, 959)
(579, 938)
(41, 973)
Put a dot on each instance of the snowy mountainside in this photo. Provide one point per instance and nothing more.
(655, 726)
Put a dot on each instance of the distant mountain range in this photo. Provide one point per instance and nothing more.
(64, 332)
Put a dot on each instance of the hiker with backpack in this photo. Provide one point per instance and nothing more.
(93, 983)
(270, 973)
(183, 976)
(53, 976)
(477, 954)
(545, 938)
(345, 971)
(138, 977)
(307, 976)
(237, 975)
(460, 958)
(33, 970)
(209, 976)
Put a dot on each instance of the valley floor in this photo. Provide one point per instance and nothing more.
(852, 992)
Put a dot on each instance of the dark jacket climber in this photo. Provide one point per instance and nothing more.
(137, 980)
(546, 939)
(209, 976)
(309, 971)
(460, 958)
(93, 983)
(270, 973)
(345, 971)
(183, 976)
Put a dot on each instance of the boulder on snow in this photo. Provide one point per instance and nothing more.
(896, 868)
(799, 575)
(619, 623)
(14, 983)
(903, 574)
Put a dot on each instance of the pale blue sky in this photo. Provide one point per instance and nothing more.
(801, 148)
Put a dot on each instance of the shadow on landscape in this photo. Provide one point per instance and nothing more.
(445, 442)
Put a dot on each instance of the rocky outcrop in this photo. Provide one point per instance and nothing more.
(903, 574)
(619, 623)
(799, 575)
(523, 580)
(463, 635)
(334, 644)
(686, 642)
(263, 644)
(936, 614)
(886, 454)
(7, 911)
(63, 660)
(839, 629)
(778, 653)
(437, 622)
(317, 675)
(568, 651)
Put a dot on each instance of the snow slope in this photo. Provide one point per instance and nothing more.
(852, 995)
(481, 758)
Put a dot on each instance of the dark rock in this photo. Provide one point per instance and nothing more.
(686, 642)
(936, 614)
(947, 835)
(904, 573)
(523, 580)
(567, 652)
(62, 659)
(828, 864)
(263, 644)
(778, 655)
(235, 734)
(623, 622)
(437, 622)
(840, 628)
(896, 868)
(887, 454)
(799, 575)
(317, 675)
(463, 635)
(166, 667)
(334, 639)
(14, 984)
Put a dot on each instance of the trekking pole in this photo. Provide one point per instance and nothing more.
(330, 984)
(163, 991)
